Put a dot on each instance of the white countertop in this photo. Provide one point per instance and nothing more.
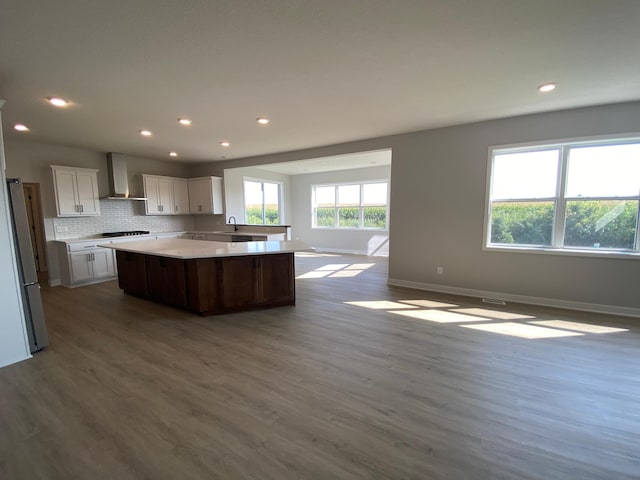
(186, 249)
(93, 238)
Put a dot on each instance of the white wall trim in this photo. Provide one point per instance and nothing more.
(546, 302)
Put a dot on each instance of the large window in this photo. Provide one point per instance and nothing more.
(262, 202)
(571, 196)
(354, 205)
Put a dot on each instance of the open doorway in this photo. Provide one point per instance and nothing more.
(338, 203)
(36, 223)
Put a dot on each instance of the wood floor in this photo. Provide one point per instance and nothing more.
(130, 389)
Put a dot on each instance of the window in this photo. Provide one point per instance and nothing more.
(261, 202)
(574, 195)
(356, 205)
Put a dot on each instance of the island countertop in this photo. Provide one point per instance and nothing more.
(189, 249)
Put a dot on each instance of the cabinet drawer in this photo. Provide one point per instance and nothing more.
(84, 246)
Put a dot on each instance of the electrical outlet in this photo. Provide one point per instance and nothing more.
(439, 270)
(62, 229)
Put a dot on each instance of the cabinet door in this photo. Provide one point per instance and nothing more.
(199, 196)
(166, 280)
(66, 195)
(276, 278)
(239, 282)
(80, 264)
(152, 204)
(181, 196)
(132, 273)
(102, 263)
(205, 195)
(165, 194)
(87, 183)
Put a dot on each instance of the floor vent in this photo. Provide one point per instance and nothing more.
(494, 301)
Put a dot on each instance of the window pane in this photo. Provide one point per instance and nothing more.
(349, 195)
(604, 171)
(601, 223)
(349, 217)
(522, 223)
(253, 202)
(325, 217)
(374, 194)
(271, 203)
(325, 196)
(524, 175)
(374, 217)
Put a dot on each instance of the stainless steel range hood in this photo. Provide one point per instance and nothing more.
(118, 179)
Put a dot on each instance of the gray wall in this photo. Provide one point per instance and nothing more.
(354, 241)
(437, 204)
(30, 161)
(438, 180)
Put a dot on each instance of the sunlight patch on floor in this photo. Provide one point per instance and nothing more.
(580, 327)
(498, 315)
(337, 270)
(522, 330)
(333, 266)
(440, 316)
(521, 325)
(428, 303)
(380, 305)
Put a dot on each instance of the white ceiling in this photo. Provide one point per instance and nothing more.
(325, 72)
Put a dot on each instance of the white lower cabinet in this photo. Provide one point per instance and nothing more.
(84, 262)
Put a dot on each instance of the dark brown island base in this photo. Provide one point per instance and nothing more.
(209, 278)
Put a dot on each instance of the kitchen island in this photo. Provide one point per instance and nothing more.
(208, 277)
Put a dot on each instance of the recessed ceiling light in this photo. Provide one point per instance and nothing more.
(57, 101)
(225, 144)
(145, 133)
(21, 127)
(173, 154)
(262, 120)
(184, 121)
(547, 87)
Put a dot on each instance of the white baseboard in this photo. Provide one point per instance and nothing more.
(546, 302)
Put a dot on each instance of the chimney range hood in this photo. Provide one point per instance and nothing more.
(118, 179)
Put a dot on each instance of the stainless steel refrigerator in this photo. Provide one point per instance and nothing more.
(31, 299)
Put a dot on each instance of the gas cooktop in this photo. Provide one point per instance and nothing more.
(125, 234)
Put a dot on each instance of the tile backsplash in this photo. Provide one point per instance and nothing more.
(119, 215)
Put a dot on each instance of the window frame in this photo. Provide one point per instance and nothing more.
(262, 181)
(560, 200)
(361, 206)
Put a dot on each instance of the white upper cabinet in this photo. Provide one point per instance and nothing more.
(181, 195)
(159, 193)
(205, 195)
(76, 191)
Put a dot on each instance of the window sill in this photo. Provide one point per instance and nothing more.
(570, 252)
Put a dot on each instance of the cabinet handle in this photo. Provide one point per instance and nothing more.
(81, 208)
(176, 208)
(199, 208)
(78, 208)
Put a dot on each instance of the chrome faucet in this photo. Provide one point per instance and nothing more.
(235, 225)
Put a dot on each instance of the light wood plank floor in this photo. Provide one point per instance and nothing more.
(130, 389)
